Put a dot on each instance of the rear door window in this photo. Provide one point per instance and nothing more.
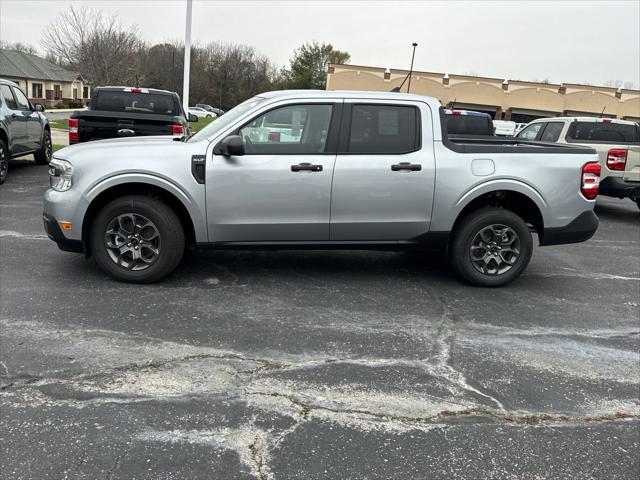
(469, 125)
(384, 129)
(552, 132)
(133, 102)
(531, 132)
(7, 96)
(601, 132)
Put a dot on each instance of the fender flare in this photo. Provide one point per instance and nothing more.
(197, 214)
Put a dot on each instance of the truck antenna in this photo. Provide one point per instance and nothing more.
(453, 104)
(602, 112)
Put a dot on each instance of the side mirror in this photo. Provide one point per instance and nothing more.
(192, 118)
(232, 146)
(39, 107)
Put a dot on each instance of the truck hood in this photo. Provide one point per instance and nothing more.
(129, 146)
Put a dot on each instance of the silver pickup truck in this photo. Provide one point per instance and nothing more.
(316, 169)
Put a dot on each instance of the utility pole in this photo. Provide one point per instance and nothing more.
(414, 44)
(187, 58)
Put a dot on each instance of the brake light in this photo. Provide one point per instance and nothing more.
(617, 159)
(136, 90)
(74, 137)
(456, 112)
(177, 129)
(606, 120)
(590, 180)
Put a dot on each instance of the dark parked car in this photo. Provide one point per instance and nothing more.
(24, 129)
(211, 109)
(129, 112)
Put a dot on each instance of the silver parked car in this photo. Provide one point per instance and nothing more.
(24, 129)
(321, 169)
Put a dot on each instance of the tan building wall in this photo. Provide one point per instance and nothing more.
(48, 90)
(505, 99)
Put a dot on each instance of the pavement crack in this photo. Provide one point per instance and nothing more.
(258, 451)
(119, 459)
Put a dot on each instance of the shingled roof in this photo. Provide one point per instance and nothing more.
(23, 65)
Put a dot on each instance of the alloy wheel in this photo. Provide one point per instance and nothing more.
(495, 249)
(133, 241)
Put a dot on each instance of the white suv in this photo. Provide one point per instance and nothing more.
(616, 141)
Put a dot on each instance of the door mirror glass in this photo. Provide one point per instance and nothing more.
(232, 146)
(192, 118)
(39, 107)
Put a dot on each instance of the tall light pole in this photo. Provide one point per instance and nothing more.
(411, 69)
(187, 59)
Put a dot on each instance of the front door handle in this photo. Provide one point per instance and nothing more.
(306, 166)
(412, 167)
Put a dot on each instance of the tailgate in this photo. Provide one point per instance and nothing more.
(632, 170)
(100, 125)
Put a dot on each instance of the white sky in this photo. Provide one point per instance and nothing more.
(575, 41)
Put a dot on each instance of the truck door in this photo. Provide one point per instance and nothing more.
(16, 123)
(383, 181)
(280, 190)
(31, 120)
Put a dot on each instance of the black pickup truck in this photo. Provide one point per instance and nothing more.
(127, 112)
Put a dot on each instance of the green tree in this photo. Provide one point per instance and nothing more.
(308, 67)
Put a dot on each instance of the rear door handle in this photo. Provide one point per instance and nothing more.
(412, 167)
(306, 166)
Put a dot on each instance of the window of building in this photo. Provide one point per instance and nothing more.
(530, 132)
(85, 92)
(552, 132)
(75, 93)
(299, 129)
(7, 96)
(57, 92)
(36, 90)
(23, 103)
(385, 129)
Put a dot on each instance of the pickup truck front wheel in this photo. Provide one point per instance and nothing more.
(137, 239)
(491, 247)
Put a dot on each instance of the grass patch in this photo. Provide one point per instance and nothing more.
(200, 124)
(62, 123)
(57, 147)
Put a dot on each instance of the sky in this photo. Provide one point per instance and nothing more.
(573, 42)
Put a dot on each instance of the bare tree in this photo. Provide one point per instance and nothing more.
(19, 47)
(100, 47)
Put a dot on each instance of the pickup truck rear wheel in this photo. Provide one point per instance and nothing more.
(491, 247)
(137, 239)
(43, 156)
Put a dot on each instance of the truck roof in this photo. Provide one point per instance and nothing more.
(585, 119)
(351, 94)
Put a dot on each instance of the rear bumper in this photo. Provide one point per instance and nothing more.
(54, 232)
(620, 188)
(579, 230)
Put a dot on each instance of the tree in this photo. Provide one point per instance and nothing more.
(99, 47)
(308, 67)
(19, 47)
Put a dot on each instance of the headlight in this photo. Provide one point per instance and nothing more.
(60, 172)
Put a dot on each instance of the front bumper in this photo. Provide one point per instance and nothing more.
(579, 230)
(54, 232)
(619, 188)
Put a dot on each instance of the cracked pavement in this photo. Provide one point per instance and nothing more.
(317, 365)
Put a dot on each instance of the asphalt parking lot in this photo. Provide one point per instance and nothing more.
(317, 365)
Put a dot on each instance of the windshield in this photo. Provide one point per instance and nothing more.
(231, 116)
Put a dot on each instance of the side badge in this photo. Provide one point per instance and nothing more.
(197, 167)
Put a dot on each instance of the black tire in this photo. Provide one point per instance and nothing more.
(467, 232)
(4, 162)
(43, 156)
(165, 222)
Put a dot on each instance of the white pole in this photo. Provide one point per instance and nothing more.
(187, 59)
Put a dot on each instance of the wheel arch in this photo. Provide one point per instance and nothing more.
(137, 188)
(529, 206)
